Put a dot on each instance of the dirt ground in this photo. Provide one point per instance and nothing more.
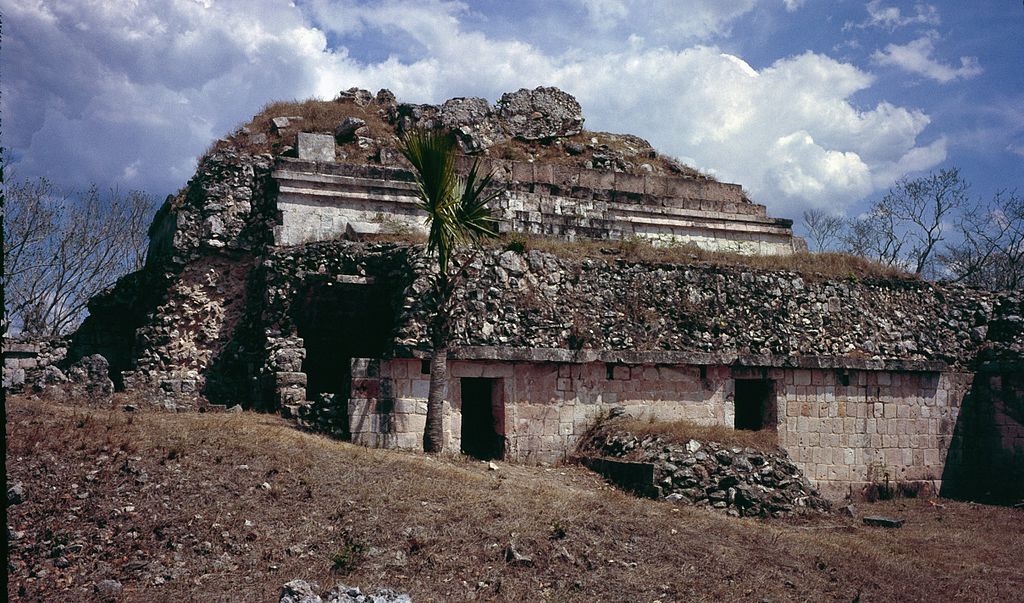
(228, 507)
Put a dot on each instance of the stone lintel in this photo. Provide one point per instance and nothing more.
(495, 353)
(20, 350)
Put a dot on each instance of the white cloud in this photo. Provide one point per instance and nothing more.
(668, 21)
(788, 132)
(916, 57)
(793, 5)
(132, 92)
(892, 17)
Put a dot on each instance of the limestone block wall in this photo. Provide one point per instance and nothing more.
(543, 408)
(845, 429)
(325, 201)
(989, 465)
(27, 362)
(18, 358)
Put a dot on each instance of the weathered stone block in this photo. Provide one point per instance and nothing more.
(285, 379)
(366, 387)
(316, 147)
(409, 423)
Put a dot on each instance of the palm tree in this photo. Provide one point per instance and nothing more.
(457, 214)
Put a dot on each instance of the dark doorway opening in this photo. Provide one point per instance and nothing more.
(480, 437)
(339, 322)
(755, 404)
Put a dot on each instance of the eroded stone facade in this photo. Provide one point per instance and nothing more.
(846, 429)
(247, 297)
(326, 201)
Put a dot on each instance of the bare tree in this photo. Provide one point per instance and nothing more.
(876, 235)
(906, 226)
(824, 229)
(62, 248)
(921, 210)
(990, 252)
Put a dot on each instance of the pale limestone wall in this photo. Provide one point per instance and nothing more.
(544, 408)
(323, 201)
(881, 425)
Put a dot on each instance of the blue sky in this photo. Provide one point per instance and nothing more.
(806, 103)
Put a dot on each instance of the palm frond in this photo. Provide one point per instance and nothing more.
(456, 208)
(472, 211)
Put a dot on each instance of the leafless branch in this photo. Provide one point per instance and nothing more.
(60, 249)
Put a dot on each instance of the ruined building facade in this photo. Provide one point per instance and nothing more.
(276, 281)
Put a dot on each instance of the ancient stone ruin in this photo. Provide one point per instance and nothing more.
(282, 277)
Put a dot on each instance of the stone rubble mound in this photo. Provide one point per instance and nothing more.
(538, 114)
(473, 122)
(300, 591)
(542, 124)
(742, 482)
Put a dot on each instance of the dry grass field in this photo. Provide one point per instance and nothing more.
(228, 507)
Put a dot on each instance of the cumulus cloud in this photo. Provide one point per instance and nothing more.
(788, 133)
(893, 18)
(133, 92)
(916, 57)
(668, 20)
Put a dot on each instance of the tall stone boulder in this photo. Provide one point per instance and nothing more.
(473, 122)
(544, 112)
(90, 377)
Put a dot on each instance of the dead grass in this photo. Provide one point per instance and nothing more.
(200, 525)
(317, 116)
(633, 149)
(324, 116)
(680, 432)
(642, 251)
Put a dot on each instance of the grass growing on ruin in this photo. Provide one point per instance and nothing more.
(642, 251)
(182, 507)
(680, 432)
(317, 116)
(324, 116)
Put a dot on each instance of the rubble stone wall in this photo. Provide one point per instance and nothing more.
(537, 300)
(164, 328)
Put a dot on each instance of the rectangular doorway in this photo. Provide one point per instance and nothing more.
(481, 436)
(755, 404)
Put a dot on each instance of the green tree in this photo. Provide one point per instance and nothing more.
(458, 216)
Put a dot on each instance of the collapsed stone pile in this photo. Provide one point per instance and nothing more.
(740, 481)
(300, 591)
(42, 365)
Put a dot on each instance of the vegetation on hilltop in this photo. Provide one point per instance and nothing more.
(596, 148)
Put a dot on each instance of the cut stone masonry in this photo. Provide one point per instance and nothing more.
(251, 296)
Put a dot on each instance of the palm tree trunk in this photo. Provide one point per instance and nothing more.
(433, 435)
